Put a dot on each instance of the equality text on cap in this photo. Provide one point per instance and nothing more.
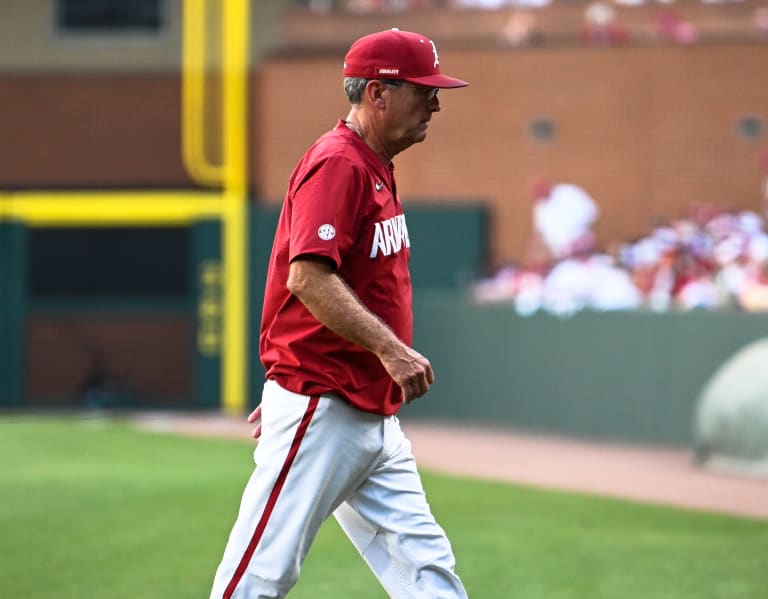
(395, 54)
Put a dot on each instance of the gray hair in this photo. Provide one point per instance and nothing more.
(355, 86)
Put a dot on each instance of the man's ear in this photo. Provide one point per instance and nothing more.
(375, 90)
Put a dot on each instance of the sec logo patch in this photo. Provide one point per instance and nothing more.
(326, 232)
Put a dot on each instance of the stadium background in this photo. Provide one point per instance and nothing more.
(117, 314)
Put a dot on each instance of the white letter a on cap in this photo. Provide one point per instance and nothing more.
(434, 51)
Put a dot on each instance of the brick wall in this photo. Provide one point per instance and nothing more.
(645, 129)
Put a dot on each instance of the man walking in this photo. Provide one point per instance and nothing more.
(336, 340)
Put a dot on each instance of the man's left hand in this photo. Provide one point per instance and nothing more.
(255, 418)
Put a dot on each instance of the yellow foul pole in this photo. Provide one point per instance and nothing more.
(236, 21)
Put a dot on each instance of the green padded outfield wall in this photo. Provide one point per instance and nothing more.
(262, 231)
(205, 264)
(633, 376)
(100, 278)
(12, 292)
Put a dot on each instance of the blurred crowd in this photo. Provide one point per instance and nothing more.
(600, 21)
(391, 6)
(712, 258)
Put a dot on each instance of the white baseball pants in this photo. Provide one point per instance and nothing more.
(317, 456)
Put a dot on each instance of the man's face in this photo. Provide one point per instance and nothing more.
(409, 109)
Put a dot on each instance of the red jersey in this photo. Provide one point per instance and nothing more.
(341, 204)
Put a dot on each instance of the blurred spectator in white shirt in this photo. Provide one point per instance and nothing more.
(519, 29)
(590, 282)
(612, 288)
(563, 216)
(601, 25)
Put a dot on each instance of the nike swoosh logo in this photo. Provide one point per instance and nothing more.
(379, 185)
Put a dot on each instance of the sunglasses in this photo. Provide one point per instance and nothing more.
(431, 93)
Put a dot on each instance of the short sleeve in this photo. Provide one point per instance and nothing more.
(326, 207)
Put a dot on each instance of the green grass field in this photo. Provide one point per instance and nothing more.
(95, 509)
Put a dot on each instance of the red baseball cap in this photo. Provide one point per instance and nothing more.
(395, 54)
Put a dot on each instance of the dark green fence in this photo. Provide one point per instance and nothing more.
(633, 376)
(12, 286)
(67, 291)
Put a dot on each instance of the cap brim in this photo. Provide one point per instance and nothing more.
(441, 81)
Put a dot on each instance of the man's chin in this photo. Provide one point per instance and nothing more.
(416, 138)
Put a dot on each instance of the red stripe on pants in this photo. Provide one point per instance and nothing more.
(300, 432)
